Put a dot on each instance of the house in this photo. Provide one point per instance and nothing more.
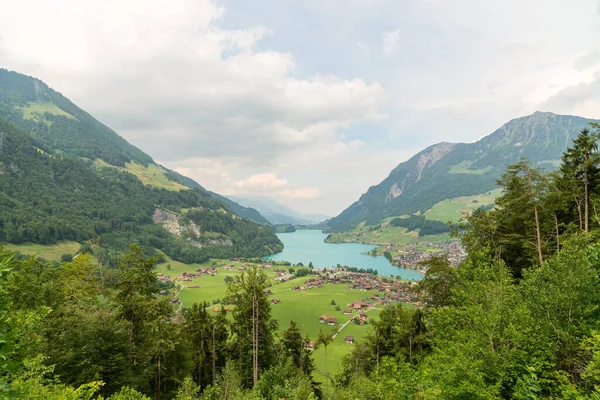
(347, 311)
(216, 309)
(242, 268)
(174, 300)
(309, 346)
(331, 320)
(323, 319)
(275, 301)
(349, 339)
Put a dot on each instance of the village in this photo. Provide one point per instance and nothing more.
(365, 291)
(411, 255)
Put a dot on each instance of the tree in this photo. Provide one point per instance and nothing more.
(437, 283)
(6, 339)
(228, 279)
(253, 328)
(580, 171)
(325, 339)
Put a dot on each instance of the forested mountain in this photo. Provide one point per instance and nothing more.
(449, 170)
(62, 127)
(65, 176)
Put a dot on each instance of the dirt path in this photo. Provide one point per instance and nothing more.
(350, 320)
(177, 295)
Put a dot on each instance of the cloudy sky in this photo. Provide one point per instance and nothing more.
(308, 102)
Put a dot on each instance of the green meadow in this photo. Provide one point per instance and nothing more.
(304, 307)
(52, 252)
(151, 175)
(453, 209)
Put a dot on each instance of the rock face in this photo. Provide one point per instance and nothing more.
(178, 226)
(449, 170)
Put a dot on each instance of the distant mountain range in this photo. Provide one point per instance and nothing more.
(450, 170)
(66, 176)
(277, 213)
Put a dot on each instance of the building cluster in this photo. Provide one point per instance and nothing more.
(412, 254)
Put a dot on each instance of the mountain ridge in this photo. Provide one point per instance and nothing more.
(56, 185)
(59, 125)
(447, 170)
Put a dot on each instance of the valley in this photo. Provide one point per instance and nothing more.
(120, 273)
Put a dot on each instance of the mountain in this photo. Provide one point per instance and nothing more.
(66, 176)
(278, 214)
(62, 127)
(449, 170)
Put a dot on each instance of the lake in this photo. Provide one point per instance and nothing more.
(309, 245)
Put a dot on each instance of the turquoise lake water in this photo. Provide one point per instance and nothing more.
(309, 245)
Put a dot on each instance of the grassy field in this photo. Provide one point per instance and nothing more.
(450, 210)
(385, 234)
(463, 168)
(35, 111)
(152, 175)
(51, 252)
(305, 307)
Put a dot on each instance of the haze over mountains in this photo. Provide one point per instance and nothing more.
(449, 170)
(277, 213)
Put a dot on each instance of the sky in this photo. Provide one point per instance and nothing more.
(306, 102)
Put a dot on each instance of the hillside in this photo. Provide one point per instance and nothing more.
(450, 170)
(60, 127)
(56, 185)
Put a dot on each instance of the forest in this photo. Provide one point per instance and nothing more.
(48, 198)
(518, 319)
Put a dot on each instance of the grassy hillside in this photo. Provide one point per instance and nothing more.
(51, 252)
(454, 209)
(48, 199)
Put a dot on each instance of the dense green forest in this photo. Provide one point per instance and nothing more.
(425, 226)
(518, 319)
(47, 198)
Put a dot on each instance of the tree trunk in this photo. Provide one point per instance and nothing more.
(326, 374)
(557, 234)
(538, 234)
(255, 319)
(537, 220)
(585, 198)
(214, 375)
(579, 211)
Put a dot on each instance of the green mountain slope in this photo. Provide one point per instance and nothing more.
(60, 127)
(53, 189)
(447, 170)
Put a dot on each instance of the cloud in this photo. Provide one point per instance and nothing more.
(390, 42)
(168, 77)
(580, 99)
(590, 59)
(260, 182)
(363, 48)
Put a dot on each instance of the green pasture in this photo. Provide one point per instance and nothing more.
(52, 252)
(453, 209)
